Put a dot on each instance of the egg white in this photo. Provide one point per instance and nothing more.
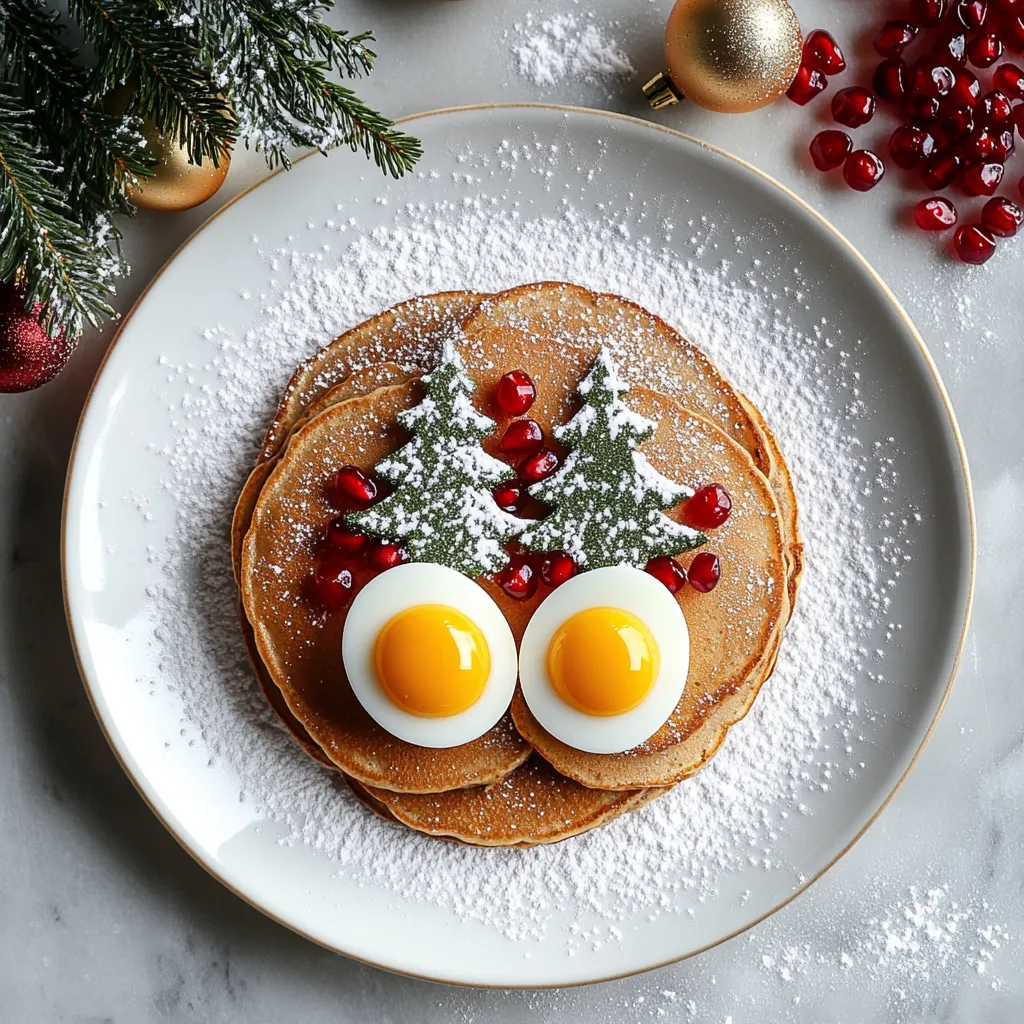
(619, 586)
(402, 587)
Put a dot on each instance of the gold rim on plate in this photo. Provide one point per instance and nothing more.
(883, 287)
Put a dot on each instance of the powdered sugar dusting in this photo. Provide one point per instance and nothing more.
(802, 739)
(547, 50)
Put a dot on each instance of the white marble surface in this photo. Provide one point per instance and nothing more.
(104, 918)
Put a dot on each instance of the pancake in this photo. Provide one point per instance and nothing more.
(300, 646)
(409, 334)
(533, 805)
(734, 630)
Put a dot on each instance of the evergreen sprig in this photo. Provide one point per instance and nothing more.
(205, 72)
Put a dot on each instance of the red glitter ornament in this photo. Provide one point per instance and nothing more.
(28, 356)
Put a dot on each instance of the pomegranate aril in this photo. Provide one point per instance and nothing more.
(890, 81)
(972, 14)
(518, 579)
(515, 393)
(982, 179)
(1011, 31)
(958, 123)
(704, 572)
(1009, 78)
(521, 438)
(1018, 118)
(931, 77)
(910, 146)
(807, 84)
(352, 490)
(822, 53)
(341, 538)
(928, 13)
(508, 495)
(941, 170)
(668, 572)
(332, 579)
(830, 148)
(984, 51)
(708, 508)
(923, 109)
(935, 214)
(863, 170)
(853, 107)
(995, 109)
(557, 567)
(895, 37)
(1002, 217)
(980, 145)
(974, 244)
(952, 48)
(1005, 144)
(1020, 187)
(385, 554)
(966, 89)
(539, 466)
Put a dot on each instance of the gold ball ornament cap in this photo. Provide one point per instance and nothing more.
(730, 56)
(177, 184)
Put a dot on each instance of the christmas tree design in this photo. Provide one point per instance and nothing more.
(442, 508)
(606, 498)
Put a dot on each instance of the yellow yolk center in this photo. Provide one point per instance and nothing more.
(432, 661)
(603, 661)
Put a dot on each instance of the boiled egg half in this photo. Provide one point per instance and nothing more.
(429, 655)
(603, 661)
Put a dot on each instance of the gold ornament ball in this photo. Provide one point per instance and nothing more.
(177, 184)
(732, 55)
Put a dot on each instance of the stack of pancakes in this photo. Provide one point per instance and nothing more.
(516, 785)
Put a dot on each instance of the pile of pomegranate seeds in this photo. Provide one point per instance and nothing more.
(954, 129)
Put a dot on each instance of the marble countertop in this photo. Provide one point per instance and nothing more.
(105, 918)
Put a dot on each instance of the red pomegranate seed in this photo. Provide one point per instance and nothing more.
(863, 170)
(910, 146)
(352, 490)
(982, 179)
(822, 53)
(952, 48)
(508, 495)
(928, 13)
(972, 14)
(347, 541)
(895, 37)
(667, 571)
(385, 554)
(958, 123)
(807, 84)
(931, 77)
(515, 393)
(704, 572)
(1005, 144)
(539, 466)
(974, 244)
(1002, 217)
(923, 109)
(966, 89)
(332, 579)
(853, 107)
(935, 214)
(980, 145)
(1011, 30)
(890, 81)
(518, 579)
(995, 109)
(1020, 187)
(984, 51)
(941, 170)
(1009, 78)
(830, 148)
(1018, 118)
(521, 438)
(708, 508)
(556, 568)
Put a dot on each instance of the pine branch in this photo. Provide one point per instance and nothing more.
(275, 58)
(67, 268)
(138, 45)
(97, 151)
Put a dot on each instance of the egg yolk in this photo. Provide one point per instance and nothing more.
(603, 661)
(432, 661)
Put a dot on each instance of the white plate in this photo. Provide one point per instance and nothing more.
(171, 426)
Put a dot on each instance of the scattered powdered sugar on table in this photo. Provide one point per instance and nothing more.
(548, 50)
(800, 741)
